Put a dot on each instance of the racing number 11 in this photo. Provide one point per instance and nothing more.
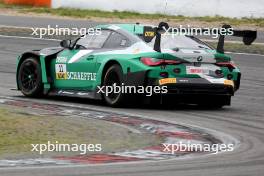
(61, 72)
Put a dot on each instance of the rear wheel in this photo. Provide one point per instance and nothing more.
(113, 77)
(29, 78)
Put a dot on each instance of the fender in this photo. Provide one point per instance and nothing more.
(131, 77)
(45, 56)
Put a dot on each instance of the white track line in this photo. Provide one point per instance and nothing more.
(16, 27)
(230, 41)
(31, 38)
(247, 54)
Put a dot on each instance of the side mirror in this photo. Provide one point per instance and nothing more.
(65, 43)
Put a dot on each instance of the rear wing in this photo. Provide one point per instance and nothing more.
(248, 37)
(150, 32)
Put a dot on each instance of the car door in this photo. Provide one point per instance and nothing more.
(75, 68)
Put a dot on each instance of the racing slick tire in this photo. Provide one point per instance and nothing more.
(30, 78)
(113, 76)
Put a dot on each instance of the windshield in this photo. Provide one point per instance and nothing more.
(179, 41)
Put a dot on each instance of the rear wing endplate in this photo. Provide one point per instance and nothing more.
(248, 36)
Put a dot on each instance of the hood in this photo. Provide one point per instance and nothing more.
(50, 51)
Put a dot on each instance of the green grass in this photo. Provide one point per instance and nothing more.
(134, 15)
(18, 130)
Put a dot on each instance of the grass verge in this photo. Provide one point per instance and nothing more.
(69, 12)
(19, 130)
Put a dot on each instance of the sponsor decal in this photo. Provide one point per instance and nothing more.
(61, 71)
(200, 59)
(167, 81)
(183, 80)
(123, 42)
(62, 74)
(229, 83)
(83, 76)
(61, 60)
(197, 70)
(149, 34)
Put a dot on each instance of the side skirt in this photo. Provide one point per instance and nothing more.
(75, 93)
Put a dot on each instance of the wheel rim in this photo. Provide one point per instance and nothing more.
(113, 80)
(29, 76)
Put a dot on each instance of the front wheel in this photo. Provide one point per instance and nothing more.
(29, 78)
(113, 78)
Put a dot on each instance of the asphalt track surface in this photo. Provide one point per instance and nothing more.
(244, 120)
(27, 21)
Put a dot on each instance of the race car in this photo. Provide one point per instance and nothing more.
(133, 55)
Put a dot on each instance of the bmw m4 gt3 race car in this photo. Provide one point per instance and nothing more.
(133, 55)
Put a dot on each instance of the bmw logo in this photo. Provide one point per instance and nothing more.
(200, 59)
